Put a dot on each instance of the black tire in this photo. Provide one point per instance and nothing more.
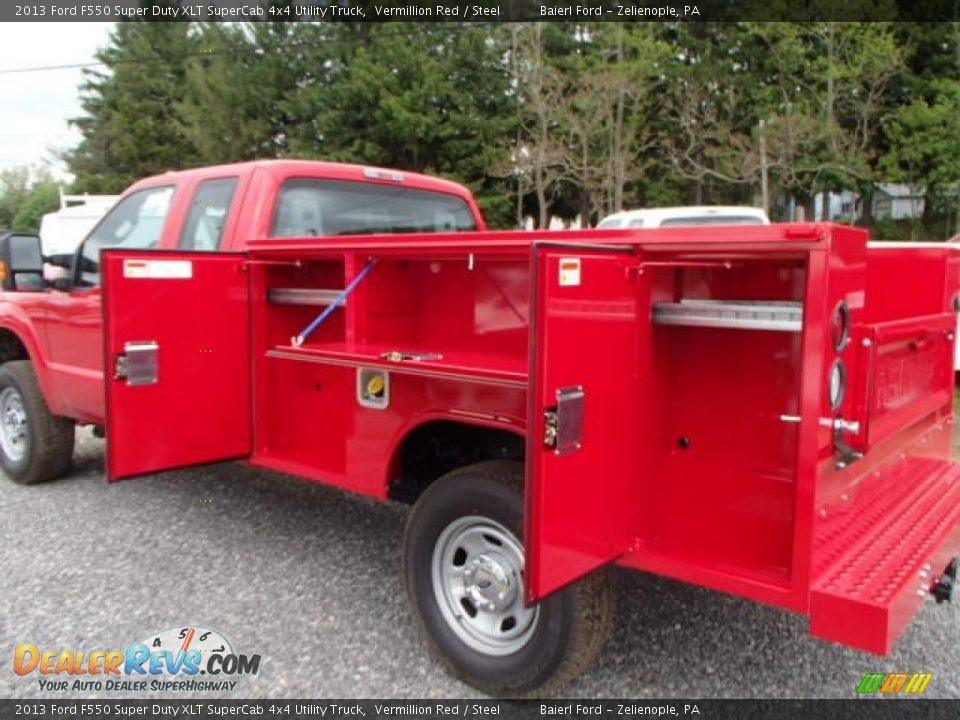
(49, 438)
(572, 624)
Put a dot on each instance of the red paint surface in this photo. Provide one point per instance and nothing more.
(199, 409)
(583, 506)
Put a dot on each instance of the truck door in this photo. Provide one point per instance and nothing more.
(177, 359)
(582, 470)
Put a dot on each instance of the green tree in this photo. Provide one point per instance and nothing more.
(131, 125)
(605, 112)
(426, 97)
(14, 190)
(826, 92)
(922, 92)
(707, 106)
(925, 144)
(44, 197)
(233, 107)
(538, 155)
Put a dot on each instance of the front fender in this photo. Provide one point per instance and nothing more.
(17, 320)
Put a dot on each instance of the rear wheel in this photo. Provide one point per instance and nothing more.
(464, 572)
(35, 444)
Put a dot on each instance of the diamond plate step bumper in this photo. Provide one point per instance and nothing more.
(877, 555)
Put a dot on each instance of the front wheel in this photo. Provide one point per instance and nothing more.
(464, 572)
(35, 444)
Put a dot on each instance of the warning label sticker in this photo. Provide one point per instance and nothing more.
(569, 271)
(157, 269)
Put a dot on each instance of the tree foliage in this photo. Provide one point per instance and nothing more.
(44, 197)
(14, 190)
(131, 125)
(541, 119)
(232, 107)
(26, 194)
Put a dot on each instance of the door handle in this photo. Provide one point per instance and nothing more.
(563, 423)
(139, 363)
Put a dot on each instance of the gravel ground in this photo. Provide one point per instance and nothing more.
(309, 578)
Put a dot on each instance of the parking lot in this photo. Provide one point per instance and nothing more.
(309, 578)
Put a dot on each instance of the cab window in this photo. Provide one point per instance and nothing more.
(136, 223)
(308, 207)
(209, 210)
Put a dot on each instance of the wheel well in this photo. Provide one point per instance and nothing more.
(436, 448)
(11, 347)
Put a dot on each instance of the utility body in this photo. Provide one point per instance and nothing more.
(763, 410)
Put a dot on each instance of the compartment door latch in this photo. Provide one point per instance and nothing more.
(139, 363)
(563, 423)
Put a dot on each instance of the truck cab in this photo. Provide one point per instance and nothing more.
(211, 209)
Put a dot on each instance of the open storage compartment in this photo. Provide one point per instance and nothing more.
(428, 323)
(726, 355)
(465, 316)
(295, 292)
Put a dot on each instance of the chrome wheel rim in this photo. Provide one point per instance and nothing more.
(477, 577)
(14, 429)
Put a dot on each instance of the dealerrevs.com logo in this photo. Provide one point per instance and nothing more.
(179, 659)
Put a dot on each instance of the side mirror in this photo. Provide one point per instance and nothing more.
(62, 260)
(58, 271)
(21, 262)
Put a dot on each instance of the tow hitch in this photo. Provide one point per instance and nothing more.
(944, 588)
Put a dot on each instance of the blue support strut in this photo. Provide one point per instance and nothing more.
(298, 340)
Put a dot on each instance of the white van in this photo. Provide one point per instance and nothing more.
(62, 231)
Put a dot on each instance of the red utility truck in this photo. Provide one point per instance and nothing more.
(762, 410)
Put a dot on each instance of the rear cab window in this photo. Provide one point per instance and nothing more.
(209, 211)
(310, 207)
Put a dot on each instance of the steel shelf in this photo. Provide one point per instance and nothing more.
(303, 296)
(777, 316)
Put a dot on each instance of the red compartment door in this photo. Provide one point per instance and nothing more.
(582, 470)
(177, 359)
(907, 373)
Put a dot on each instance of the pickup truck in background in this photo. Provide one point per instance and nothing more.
(215, 209)
(685, 216)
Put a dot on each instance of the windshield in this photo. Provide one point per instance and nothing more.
(309, 207)
(610, 223)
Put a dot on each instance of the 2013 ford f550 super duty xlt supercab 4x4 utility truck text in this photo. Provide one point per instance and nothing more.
(764, 410)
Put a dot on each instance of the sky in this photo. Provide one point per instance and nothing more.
(35, 106)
